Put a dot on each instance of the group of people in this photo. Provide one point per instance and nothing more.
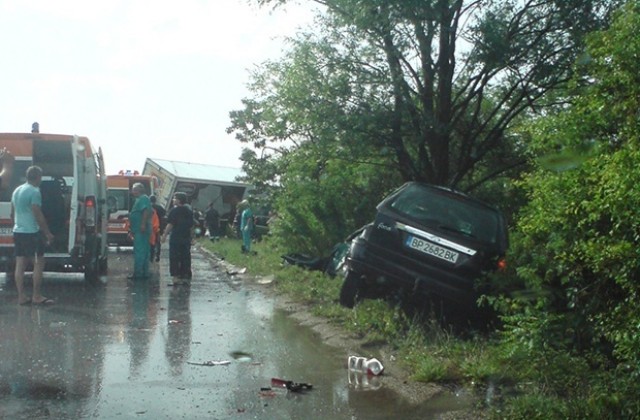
(149, 225)
(149, 229)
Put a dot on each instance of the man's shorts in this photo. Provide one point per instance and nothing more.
(28, 244)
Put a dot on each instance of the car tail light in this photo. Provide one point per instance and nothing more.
(90, 210)
(502, 264)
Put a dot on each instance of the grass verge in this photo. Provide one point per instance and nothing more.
(434, 354)
(566, 388)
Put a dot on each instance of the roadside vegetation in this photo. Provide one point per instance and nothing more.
(537, 113)
(432, 352)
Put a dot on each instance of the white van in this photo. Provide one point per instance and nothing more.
(73, 201)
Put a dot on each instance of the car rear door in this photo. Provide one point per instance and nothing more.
(78, 156)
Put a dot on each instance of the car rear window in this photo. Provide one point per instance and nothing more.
(447, 211)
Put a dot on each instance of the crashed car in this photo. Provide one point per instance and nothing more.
(428, 242)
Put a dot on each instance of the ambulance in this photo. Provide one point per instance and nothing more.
(73, 201)
(119, 203)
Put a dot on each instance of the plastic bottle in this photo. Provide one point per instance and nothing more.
(362, 364)
(374, 367)
(356, 363)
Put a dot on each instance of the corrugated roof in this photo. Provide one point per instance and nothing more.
(199, 171)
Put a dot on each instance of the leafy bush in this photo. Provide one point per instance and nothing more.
(576, 248)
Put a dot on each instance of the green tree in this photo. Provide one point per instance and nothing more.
(417, 90)
(577, 243)
(449, 77)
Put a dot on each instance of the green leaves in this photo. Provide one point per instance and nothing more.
(577, 242)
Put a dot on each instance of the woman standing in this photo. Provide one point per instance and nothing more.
(180, 227)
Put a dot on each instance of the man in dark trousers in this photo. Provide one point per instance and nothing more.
(162, 215)
(180, 226)
(212, 218)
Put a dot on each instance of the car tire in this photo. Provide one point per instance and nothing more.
(92, 264)
(103, 265)
(352, 288)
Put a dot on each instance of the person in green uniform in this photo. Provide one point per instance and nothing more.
(140, 225)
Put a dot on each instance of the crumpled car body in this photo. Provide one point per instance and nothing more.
(425, 241)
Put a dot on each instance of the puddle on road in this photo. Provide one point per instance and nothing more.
(301, 356)
(114, 351)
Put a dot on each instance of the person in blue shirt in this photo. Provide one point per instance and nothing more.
(246, 226)
(30, 235)
(140, 225)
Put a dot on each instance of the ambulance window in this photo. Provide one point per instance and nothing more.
(18, 178)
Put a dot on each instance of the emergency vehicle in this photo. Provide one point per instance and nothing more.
(119, 203)
(73, 192)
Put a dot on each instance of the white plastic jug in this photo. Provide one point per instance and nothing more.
(374, 367)
(362, 364)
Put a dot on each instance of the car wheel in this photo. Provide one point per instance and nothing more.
(352, 288)
(91, 266)
(103, 266)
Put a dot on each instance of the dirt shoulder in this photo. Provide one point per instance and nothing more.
(395, 377)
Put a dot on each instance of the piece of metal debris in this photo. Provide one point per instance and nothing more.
(211, 363)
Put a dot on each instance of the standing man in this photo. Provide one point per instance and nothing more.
(162, 216)
(30, 235)
(140, 225)
(212, 218)
(180, 227)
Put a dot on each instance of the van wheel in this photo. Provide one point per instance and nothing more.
(103, 266)
(352, 289)
(91, 273)
(92, 261)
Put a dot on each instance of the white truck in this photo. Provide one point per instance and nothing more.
(203, 184)
(73, 201)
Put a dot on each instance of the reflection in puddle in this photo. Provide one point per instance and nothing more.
(360, 381)
(24, 388)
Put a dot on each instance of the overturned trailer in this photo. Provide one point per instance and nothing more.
(203, 184)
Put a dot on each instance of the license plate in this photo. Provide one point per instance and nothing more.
(6, 231)
(431, 249)
(116, 225)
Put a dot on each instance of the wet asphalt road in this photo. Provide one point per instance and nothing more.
(131, 350)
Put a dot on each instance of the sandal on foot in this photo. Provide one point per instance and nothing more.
(44, 302)
(26, 302)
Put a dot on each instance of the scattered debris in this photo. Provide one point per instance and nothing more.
(290, 385)
(267, 392)
(234, 272)
(362, 364)
(241, 356)
(266, 280)
(211, 363)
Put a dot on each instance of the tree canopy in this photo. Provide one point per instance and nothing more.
(433, 84)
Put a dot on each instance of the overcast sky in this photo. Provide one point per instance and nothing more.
(151, 78)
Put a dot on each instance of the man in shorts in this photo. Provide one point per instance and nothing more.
(30, 235)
